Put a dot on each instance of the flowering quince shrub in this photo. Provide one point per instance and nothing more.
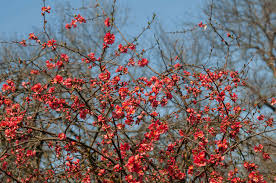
(106, 125)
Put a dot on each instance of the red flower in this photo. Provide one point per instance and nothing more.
(199, 159)
(23, 43)
(266, 156)
(52, 43)
(68, 26)
(73, 23)
(109, 38)
(36, 87)
(131, 46)
(50, 65)
(107, 22)
(45, 9)
(35, 72)
(134, 164)
(4, 165)
(58, 79)
(261, 117)
(143, 62)
(122, 49)
(104, 76)
(116, 168)
(61, 136)
(250, 166)
(202, 25)
(258, 148)
(64, 57)
(30, 153)
(198, 134)
(80, 19)
(32, 36)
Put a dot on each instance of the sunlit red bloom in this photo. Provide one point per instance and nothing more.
(4, 165)
(250, 166)
(32, 36)
(266, 156)
(199, 159)
(122, 49)
(191, 170)
(131, 62)
(109, 38)
(222, 145)
(269, 122)
(50, 65)
(258, 148)
(74, 23)
(104, 76)
(9, 86)
(198, 134)
(80, 19)
(107, 22)
(255, 176)
(64, 58)
(24, 84)
(58, 79)
(117, 168)
(134, 164)
(143, 62)
(61, 136)
(52, 43)
(129, 178)
(35, 72)
(131, 46)
(204, 26)
(36, 88)
(77, 18)
(261, 117)
(30, 153)
(23, 43)
(68, 26)
(45, 9)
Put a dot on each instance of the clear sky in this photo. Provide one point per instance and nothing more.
(19, 17)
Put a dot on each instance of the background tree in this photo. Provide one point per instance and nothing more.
(251, 31)
(248, 26)
(222, 40)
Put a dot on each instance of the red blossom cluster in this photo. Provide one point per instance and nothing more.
(109, 39)
(45, 9)
(77, 18)
(107, 22)
(201, 25)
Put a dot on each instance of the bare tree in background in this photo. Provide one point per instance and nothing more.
(247, 29)
(243, 32)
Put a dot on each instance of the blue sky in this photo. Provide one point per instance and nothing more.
(19, 17)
